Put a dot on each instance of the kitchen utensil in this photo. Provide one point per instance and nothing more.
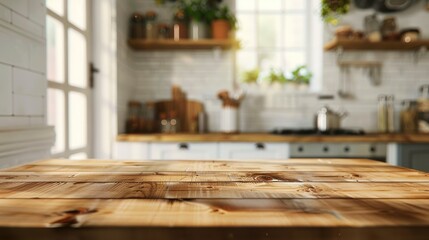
(344, 91)
(364, 4)
(390, 6)
(326, 119)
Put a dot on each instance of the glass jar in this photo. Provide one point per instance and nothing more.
(423, 110)
(133, 117)
(409, 116)
(180, 26)
(151, 28)
(382, 114)
(163, 31)
(137, 28)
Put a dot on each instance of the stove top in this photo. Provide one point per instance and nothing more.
(310, 131)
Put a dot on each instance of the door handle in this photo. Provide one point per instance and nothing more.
(93, 70)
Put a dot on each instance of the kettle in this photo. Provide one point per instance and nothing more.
(326, 119)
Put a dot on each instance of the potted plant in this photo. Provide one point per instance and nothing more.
(331, 10)
(222, 22)
(197, 12)
(301, 76)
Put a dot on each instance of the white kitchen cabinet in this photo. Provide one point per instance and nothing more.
(184, 151)
(131, 151)
(249, 151)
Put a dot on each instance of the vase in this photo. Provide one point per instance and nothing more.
(198, 30)
(220, 29)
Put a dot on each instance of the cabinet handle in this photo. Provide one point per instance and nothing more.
(183, 146)
(326, 149)
(260, 146)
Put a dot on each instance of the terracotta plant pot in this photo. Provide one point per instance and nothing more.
(220, 29)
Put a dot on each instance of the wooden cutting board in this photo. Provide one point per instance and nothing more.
(187, 111)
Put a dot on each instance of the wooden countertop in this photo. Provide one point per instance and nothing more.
(302, 199)
(265, 137)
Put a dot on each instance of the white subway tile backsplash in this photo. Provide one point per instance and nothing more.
(37, 11)
(28, 105)
(37, 52)
(19, 6)
(14, 48)
(14, 122)
(27, 25)
(37, 121)
(5, 14)
(5, 90)
(29, 83)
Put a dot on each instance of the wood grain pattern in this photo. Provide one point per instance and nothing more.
(131, 177)
(305, 199)
(143, 44)
(236, 190)
(264, 137)
(363, 45)
(208, 166)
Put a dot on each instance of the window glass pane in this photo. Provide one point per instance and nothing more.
(294, 30)
(77, 59)
(247, 60)
(269, 30)
(294, 60)
(77, 120)
(270, 5)
(78, 156)
(56, 118)
(55, 49)
(246, 5)
(247, 30)
(76, 10)
(56, 6)
(270, 60)
(295, 4)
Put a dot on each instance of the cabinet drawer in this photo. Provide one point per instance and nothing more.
(249, 151)
(184, 151)
(131, 151)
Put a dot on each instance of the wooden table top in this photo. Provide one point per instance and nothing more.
(266, 137)
(305, 199)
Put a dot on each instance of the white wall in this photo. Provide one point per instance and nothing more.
(203, 73)
(22, 73)
(125, 63)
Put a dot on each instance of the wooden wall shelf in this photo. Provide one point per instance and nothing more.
(364, 45)
(143, 44)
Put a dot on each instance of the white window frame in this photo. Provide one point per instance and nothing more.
(314, 39)
(66, 88)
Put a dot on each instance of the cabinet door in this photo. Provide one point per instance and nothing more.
(131, 151)
(184, 151)
(415, 156)
(252, 151)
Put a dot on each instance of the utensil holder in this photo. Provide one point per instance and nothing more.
(229, 120)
